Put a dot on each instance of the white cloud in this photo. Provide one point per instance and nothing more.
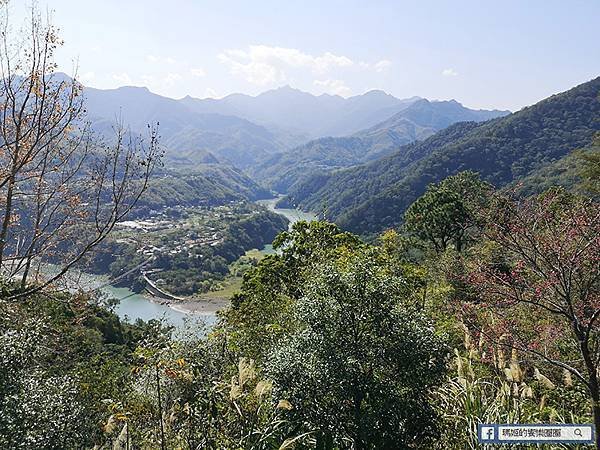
(198, 72)
(253, 71)
(151, 58)
(123, 78)
(379, 66)
(172, 78)
(450, 72)
(382, 65)
(211, 93)
(170, 60)
(335, 87)
(263, 64)
(86, 78)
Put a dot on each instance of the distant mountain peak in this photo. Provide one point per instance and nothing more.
(377, 93)
(134, 88)
(287, 87)
(286, 90)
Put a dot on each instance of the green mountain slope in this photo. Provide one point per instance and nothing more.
(568, 172)
(372, 197)
(416, 122)
(202, 185)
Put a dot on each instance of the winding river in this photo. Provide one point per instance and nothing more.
(134, 306)
(293, 215)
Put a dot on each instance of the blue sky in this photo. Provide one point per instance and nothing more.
(487, 54)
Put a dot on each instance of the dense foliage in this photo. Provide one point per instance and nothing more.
(204, 185)
(417, 121)
(362, 360)
(369, 198)
(332, 343)
(60, 359)
(447, 213)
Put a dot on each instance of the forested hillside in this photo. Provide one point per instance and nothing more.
(200, 185)
(372, 197)
(571, 172)
(416, 122)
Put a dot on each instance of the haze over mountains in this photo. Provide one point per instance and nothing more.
(313, 116)
(246, 148)
(187, 135)
(416, 120)
(372, 197)
(246, 131)
(372, 155)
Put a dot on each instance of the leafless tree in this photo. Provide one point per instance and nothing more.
(62, 190)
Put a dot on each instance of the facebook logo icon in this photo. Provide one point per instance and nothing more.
(487, 433)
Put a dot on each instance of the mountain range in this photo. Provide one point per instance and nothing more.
(369, 158)
(419, 120)
(373, 196)
(314, 116)
(187, 135)
(245, 131)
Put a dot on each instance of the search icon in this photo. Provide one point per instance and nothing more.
(574, 433)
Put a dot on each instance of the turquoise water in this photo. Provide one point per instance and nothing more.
(293, 215)
(134, 306)
(131, 306)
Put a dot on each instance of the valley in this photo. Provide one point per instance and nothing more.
(209, 297)
(197, 261)
(299, 225)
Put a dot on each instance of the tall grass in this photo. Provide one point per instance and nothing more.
(488, 387)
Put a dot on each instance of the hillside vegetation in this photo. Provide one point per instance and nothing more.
(417, 121)
(332, 342)
(200, 185)
(372, 197)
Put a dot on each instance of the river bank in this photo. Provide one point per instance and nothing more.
(134, 306)
(201, 306)
(293, 215)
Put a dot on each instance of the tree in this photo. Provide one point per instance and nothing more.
(591, 169)
(358, 368)
(39, 408)
(61, 190)
(260, 313)
(309, 241)
(445, 214)
(539, 290)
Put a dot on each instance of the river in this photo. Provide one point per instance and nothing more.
(131, 306)
(293, 215)
(134, 306)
